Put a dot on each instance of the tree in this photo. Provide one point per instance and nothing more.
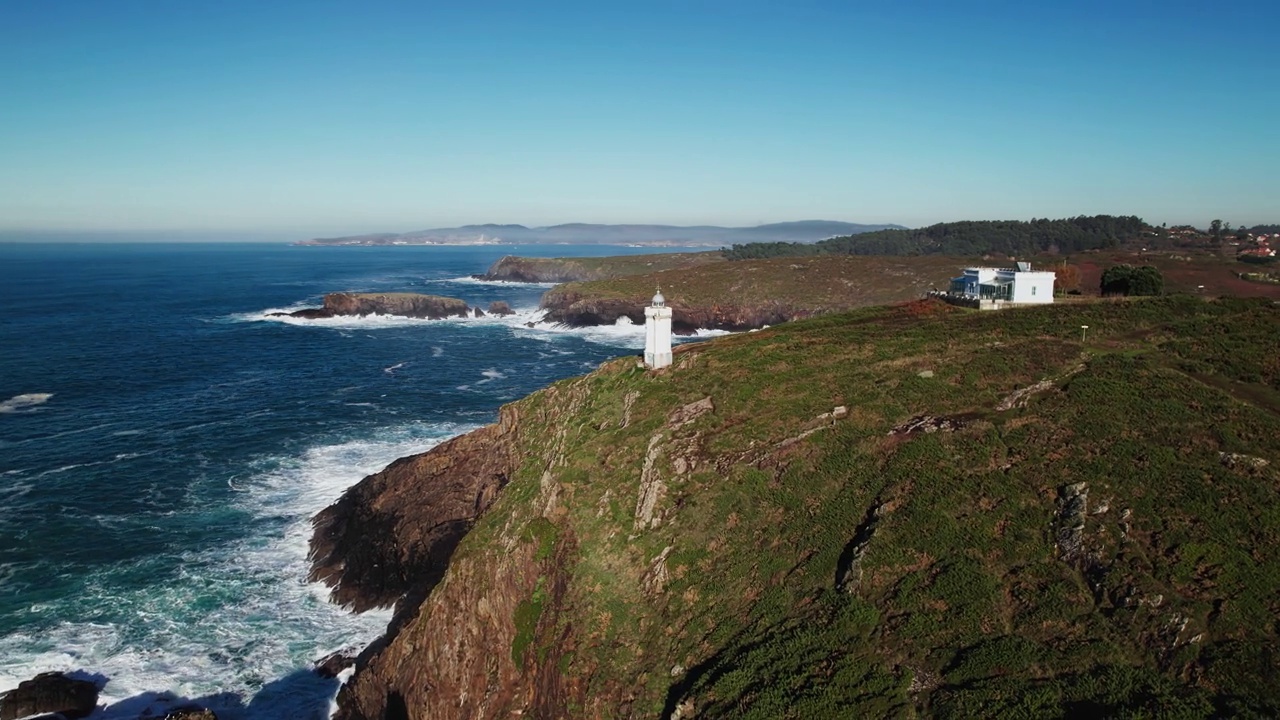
(1215, 229)
(1130, 280)
(1066, 278)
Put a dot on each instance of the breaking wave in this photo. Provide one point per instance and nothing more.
(238, 627)
(24, 403)
(467, 280)
(526, 321)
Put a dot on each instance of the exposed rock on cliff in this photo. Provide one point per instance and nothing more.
(414, 305)
(394, 532)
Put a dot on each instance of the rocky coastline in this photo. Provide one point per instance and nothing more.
(569, 307)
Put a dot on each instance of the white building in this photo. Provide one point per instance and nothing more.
(993, 287)
(657, 333)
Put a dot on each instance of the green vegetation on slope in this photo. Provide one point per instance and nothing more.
(820, 284)
(566, 269)
(974, 237)
(1071, 530)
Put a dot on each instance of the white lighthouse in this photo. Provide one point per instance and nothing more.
(657, 333)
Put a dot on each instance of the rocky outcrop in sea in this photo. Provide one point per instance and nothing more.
(414, 305)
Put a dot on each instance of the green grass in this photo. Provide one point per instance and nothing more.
(813, 284)
(600, 268)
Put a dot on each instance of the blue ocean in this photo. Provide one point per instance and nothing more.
(164, 442)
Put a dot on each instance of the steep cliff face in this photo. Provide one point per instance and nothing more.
(414, 305)
(392, 534)
(900, 510)
(454, 654)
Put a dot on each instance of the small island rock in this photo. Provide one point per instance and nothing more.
(414, 305)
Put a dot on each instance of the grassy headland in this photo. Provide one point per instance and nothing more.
(752, 293)
(897, 511)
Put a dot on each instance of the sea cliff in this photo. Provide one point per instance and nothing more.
(912, 509)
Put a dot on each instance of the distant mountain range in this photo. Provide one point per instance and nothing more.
(589, 234)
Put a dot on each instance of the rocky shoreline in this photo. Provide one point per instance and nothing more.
(567, 307)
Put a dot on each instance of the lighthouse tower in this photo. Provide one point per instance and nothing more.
(657, 333)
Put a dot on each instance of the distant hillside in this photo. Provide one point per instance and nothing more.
(1006, 237)
(804, 231)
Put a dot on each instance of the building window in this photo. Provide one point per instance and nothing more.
(1033, 289)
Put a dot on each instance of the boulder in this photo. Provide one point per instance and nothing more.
(308, 313)
(479, 313)
(498, 307)
(51, 692)
(334, 663)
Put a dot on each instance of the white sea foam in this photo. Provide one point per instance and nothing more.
(238, 627)
(468, 280)
(26, 402)
(525, 322)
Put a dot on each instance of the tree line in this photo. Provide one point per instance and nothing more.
(970, 237)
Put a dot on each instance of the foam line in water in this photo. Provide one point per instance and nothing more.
(239, 625)
(468, 280)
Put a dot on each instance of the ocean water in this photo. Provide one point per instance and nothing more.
(164, 443)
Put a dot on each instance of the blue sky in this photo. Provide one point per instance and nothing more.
(326, 117)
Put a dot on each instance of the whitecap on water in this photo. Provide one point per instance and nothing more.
(239, 625)
(490, 375)
(24, 403)
(525, 322)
